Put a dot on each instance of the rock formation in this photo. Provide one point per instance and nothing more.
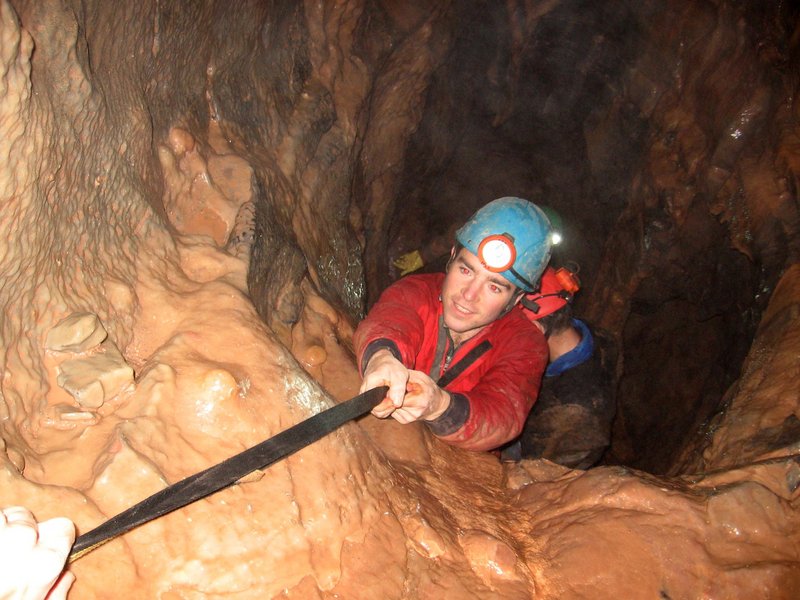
(200, 199)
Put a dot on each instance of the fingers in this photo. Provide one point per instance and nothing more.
(60, 589)
(57, 535)
(412, 395)
(18, 515)
(413, 388)
(415, 399)
(18, 528)
(409, 410)
(388, 407)
(48, 557)
(425, 400)
(397, 387)
(384, 409)
(32, 556)
(385, 369)
(389, 402)
(405, 416)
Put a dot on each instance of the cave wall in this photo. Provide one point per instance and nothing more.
(717, 128)
(150, 149)
(295, 89)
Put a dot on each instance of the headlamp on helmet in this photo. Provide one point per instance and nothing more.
(556, 225)
(497, 253)
(568, 280)
(558, 288)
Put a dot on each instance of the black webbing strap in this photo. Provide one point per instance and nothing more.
(462, 365)
(229, 471)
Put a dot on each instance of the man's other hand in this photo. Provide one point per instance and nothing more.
(424, 400)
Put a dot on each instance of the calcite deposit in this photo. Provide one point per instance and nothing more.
(198, 201)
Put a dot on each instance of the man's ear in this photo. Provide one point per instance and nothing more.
(518, 294)
(450, 261)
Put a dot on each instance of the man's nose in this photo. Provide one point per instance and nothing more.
(471, 290)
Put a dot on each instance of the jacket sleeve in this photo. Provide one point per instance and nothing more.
(395, 323)
(500, 402)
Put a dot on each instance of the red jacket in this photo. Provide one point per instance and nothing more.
(492, 397)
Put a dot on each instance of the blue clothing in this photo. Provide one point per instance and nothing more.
(580, 353)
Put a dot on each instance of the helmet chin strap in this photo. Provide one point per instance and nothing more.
(512, 302)
(521, 278)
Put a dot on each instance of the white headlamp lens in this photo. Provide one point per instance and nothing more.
(497, 253)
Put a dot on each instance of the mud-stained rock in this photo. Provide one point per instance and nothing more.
(78, 332)
(491, 558)
(426, 540)
(217, 191)
(204, 190)
(94, 379)
(606, 509)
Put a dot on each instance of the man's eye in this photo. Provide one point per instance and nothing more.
(495, 289)
(464, 270)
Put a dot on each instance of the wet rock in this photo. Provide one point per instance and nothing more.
(78, 332)
(426, 540)
(93, 380)
(301, 136)
(490, 557)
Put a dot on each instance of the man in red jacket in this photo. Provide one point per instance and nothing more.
(454, 348)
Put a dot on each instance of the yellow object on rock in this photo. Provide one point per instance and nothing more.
(409, 262)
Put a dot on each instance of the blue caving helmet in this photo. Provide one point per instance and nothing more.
(512, 237)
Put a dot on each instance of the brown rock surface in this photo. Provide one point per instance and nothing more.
(214, 181)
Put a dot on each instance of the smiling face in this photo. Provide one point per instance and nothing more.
(472, 296)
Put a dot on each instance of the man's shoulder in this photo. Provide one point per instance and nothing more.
(515, 318)
(516, 327)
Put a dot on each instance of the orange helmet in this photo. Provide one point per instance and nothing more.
(556, 291)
